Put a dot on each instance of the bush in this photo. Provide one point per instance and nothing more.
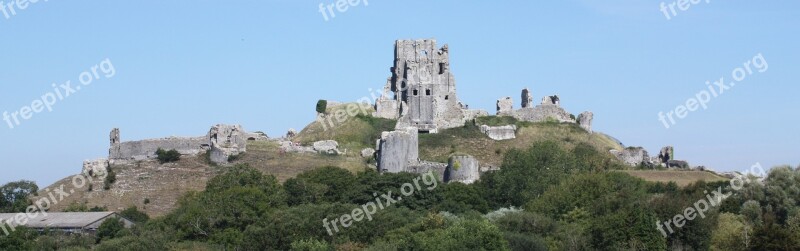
(168, 156)
(322, 106)
(110, 229)
(111, 177)
(133, 214)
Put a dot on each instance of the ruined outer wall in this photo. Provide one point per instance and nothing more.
(146, 149)
(540, 113)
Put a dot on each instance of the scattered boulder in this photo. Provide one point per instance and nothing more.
(367, 153)
(327, 147)
(500, 132)
(95, 168)
(292, 147)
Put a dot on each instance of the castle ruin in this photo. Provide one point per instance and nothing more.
(424, 89)
(222, 140)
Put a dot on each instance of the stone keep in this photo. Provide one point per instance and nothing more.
(396, 149)
(464, 169)
(424, 88)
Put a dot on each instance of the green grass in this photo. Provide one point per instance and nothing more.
(682, 178)
(496, 120)
(353, 132)
(469, 140)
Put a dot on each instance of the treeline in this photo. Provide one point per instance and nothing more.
(543, 198)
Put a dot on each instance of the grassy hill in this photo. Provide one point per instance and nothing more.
(355, 129)
(162, 185)
(469, 140)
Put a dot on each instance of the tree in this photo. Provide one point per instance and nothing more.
(110, 229)
(21, 239)
(322, 106)
(167, 156)
(15, 196)
(133, 214)
(731, 234)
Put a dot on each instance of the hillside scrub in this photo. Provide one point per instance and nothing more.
(548, 196)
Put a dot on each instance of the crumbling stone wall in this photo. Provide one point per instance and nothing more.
(542, 113)
(146, 149)
(396, 149)
(421, 167)
(633, 156)
(222, 140)
(464, 169)
(226, 141)
(505, 106)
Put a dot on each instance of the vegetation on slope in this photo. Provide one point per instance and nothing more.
(571, 201)
(469, 140)
(351, 124)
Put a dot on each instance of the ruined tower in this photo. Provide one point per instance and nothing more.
(424, 88)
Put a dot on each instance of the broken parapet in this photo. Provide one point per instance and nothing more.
(585, 120)
(464, 169)
(505, 106)
(543, 113)
(226, 141)
(500, 132)
(396, 149)
(549, 109)
(551, 100)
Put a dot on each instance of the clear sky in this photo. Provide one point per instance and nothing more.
(180, 67)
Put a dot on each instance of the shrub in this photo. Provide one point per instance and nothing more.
(133, 214)
(111, 177)
(110, 229)
(236, 157)
(322, 106)
(168, 156)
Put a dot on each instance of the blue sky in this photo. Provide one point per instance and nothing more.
(182, 66)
